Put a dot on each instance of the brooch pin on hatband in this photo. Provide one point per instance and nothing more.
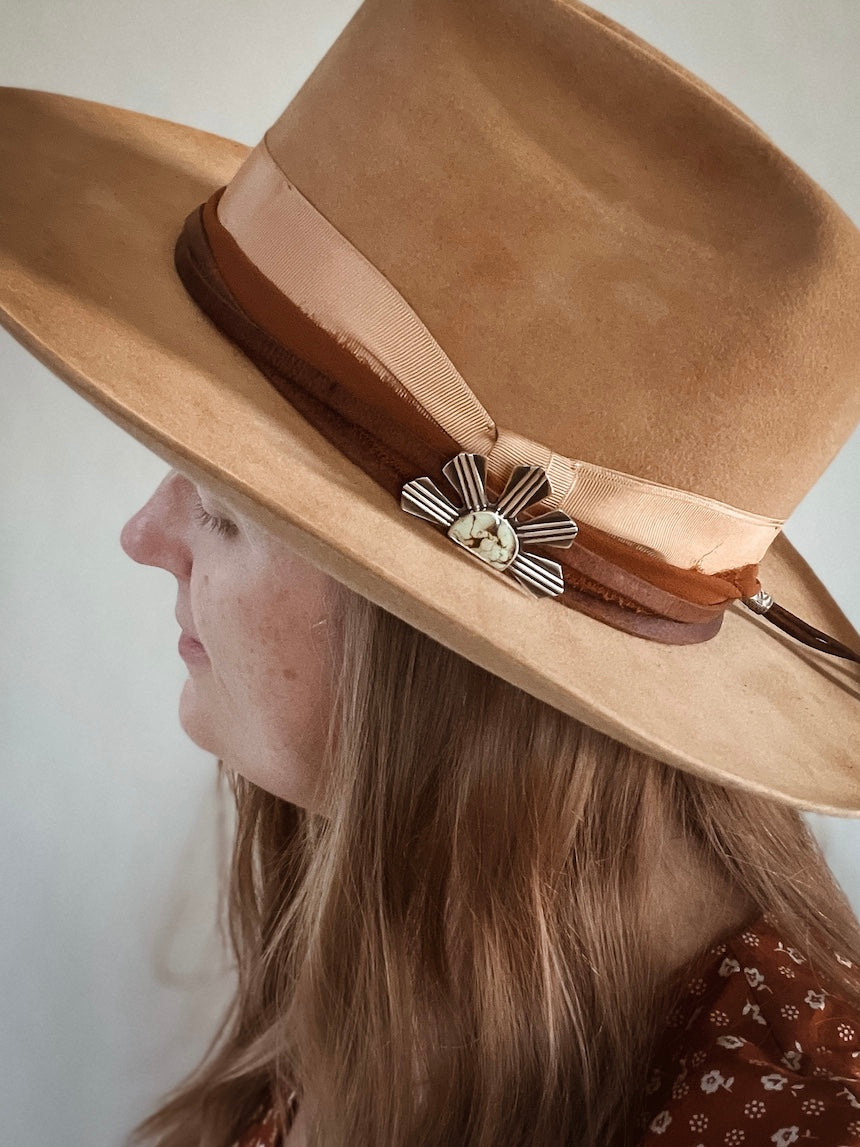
(489, 531)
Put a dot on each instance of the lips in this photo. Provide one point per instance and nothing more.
(186, 629)
(190, 646)
(191, 649)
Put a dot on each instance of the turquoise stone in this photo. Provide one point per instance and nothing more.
(488, 536)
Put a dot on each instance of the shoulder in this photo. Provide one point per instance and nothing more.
(757, 1052)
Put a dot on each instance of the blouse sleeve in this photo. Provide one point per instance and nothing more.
(761, 1054)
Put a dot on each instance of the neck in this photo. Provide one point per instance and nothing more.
(692, 906)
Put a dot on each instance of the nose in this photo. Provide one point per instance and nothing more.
(156, 535)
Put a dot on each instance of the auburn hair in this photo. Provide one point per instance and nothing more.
(465, 948)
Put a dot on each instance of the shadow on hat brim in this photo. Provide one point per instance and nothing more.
(92, 199)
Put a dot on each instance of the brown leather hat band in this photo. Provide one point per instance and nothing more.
(393, 440)
(373, 397)
(381, 426)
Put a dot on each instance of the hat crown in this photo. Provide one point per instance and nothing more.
(619, 262)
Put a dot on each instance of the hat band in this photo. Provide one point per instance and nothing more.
(391, 439)
(316, 267)
(362, 328)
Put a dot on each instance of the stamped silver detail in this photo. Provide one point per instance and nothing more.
(490, 532)
(759, 602)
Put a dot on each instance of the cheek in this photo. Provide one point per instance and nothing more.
(267, 663)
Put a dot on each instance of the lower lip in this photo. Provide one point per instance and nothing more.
(191, 650)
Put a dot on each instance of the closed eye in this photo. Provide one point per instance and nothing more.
(219, 525)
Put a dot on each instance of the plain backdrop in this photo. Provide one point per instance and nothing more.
(112, 974)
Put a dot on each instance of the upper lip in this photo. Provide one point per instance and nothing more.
(187, 631)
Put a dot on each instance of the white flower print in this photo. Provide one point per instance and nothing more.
(680, 1089)
(754, 1109)
(729, 967)
(812, 1107)
(774, 1082)
(698, 1122)
(755, 1010)
(846, 1031)
(750, 938)
(696, 987)
(786, 971)
(854, 1127)
(792, 953)
(660, 1122)
(711, 1080)
(698, 1058)
(718, 1019)
(789, 1012)
(815, 999)
(730, 1041)
(792, 1060)
(754, 977)
(735, 1136)
(785, 1135)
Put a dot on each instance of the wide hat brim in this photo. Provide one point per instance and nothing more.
(92, 199)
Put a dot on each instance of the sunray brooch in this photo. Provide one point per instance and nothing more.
(489, 531)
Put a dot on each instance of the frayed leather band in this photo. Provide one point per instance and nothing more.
(394, 450)
(393, 440)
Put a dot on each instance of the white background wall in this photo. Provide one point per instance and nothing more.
(112, 978)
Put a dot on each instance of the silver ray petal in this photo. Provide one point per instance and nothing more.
(467, 473)
(552, 529)
(423, 498)
(541, 576)
(527, 484)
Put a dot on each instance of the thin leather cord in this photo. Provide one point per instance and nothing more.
(801, 630)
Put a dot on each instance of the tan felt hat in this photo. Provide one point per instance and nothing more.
(509, 323)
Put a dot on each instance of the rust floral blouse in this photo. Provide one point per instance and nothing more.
(757, 1053)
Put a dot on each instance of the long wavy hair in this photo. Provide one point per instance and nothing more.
(465, 949)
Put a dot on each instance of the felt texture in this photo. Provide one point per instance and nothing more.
(585, 228)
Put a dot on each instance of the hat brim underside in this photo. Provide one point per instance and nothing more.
(92, 199)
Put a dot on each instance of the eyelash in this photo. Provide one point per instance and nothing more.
(219, 525)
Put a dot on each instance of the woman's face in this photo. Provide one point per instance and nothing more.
(258, 689)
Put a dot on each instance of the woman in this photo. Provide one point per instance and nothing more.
(507, 869)
(569, 877)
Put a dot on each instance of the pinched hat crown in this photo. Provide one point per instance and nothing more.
(617, 261)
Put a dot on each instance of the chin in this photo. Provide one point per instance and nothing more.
(194, 721)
